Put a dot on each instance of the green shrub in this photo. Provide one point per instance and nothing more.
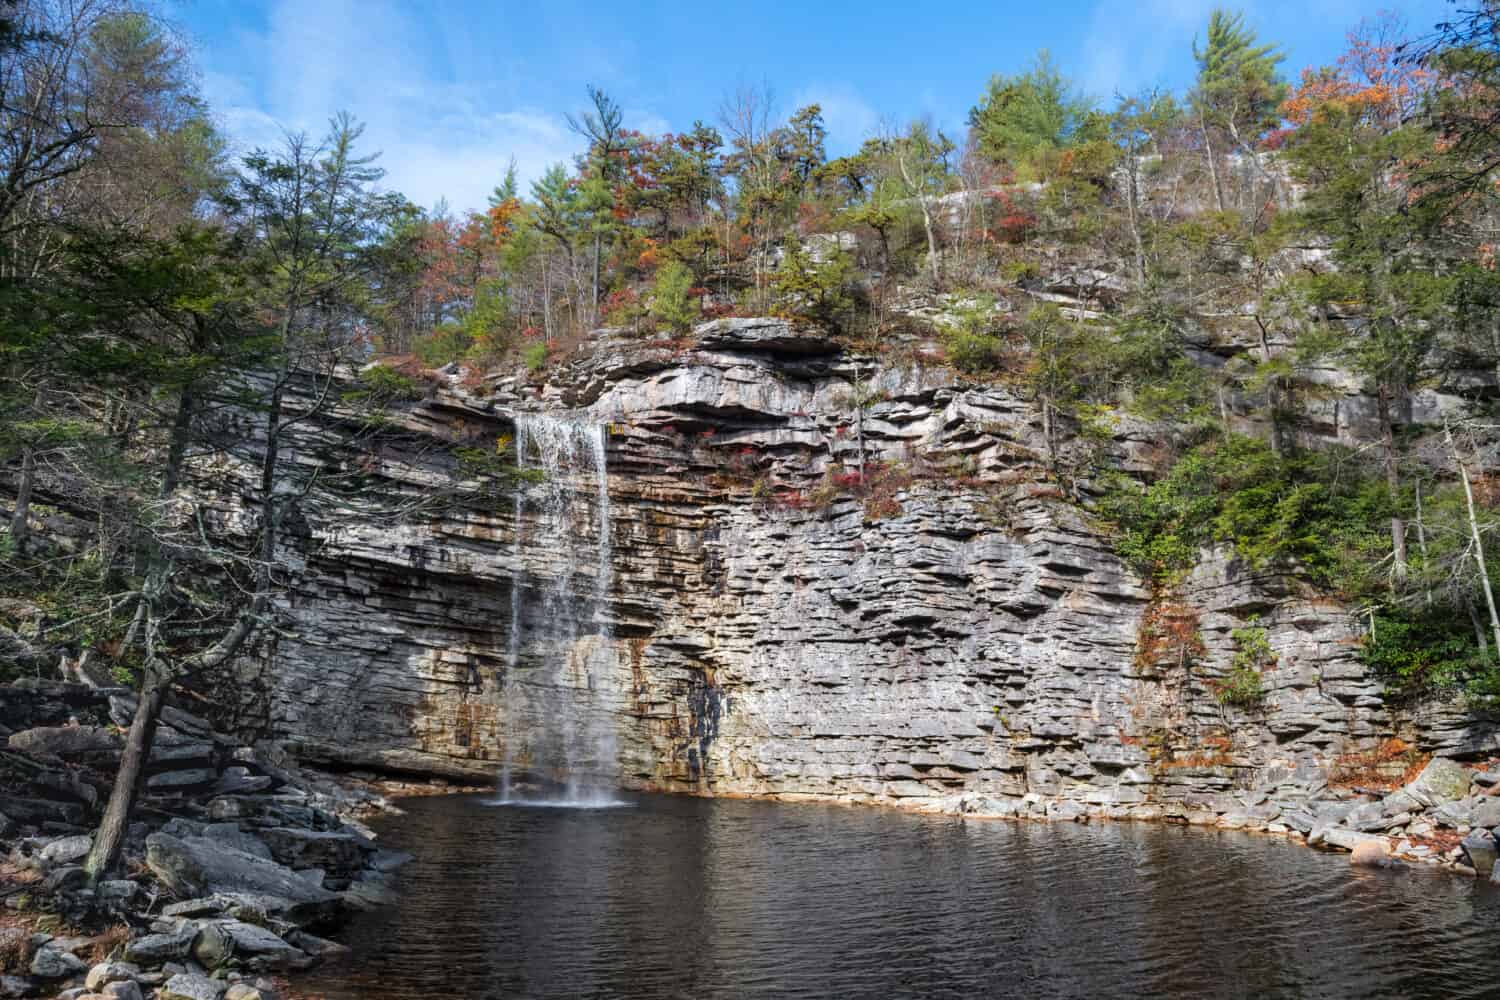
(534, 356)
(383, 384)
(1299, 512)
(1244, 685)
(1415, 651)
(671, 304)
(972, 342)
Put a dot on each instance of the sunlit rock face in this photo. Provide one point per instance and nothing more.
(962, 640)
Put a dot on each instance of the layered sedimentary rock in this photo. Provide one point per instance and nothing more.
(959, 635)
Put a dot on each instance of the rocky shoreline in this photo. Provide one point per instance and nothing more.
(237, 863)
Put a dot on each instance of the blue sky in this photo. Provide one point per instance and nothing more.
(450, 90)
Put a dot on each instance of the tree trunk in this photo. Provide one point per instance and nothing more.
(1393, 483)
(177, 449)
(130, 779)
(1475, 536)
(932, 251)
(1273, 391)
(1133, 203)
(1422, 547)
(20, 521)
(596, 280)
(1213, 168)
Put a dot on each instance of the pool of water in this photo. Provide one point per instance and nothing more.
(679, 897)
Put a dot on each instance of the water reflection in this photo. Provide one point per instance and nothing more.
(681, 897)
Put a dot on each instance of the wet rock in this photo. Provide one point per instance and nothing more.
(1347, 839)
(259, 990)
(219, 943)
(185, 986)
(1369, 853)
(1480, 850)
(1441, 781)
(17, 986)
(388, 861)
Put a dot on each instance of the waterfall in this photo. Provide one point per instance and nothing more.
(560, 634)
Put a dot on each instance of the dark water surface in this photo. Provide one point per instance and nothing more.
(678, 897)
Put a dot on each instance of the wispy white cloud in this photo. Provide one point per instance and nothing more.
(439, 137)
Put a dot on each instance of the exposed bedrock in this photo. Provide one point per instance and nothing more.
(971, 643)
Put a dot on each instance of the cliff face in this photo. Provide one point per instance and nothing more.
(960, 638)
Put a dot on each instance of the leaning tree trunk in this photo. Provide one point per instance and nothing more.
(20, 521)
(131, 777)
(1476, 537)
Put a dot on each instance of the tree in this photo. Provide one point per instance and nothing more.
(600, 125)
(920, 157)
(1238, 88)
(672, 303)
(1022, 119)
(313, 223)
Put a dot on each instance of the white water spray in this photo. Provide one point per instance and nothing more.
(560, 616)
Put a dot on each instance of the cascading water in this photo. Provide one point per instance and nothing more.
(560, 630)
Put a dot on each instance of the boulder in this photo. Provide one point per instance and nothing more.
(54, 963)
(1369, 853)
(232, 835)
(337, 852)
(1479, 848)
(1441, 781)
(104, 973)
(1486, 813)
(198, 866)
(65, 741)
(1343, 837)
(186, 986)
(259, 990)
(124, 990)
(220, 942)
(154, 949)
(67, 849)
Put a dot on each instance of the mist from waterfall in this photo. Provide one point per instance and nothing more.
(560, 639)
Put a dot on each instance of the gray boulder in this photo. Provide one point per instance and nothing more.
(154, 949)
(54, 963)
(124, 990)
(1486, 812)
(198, 866)
(68, 849)
(104, 973)
(231, 835)
(186, 986)
(1441, 781)
(220, 942)
(1347, 839)
(65, 741)
(335, 851)
(1479, 848)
